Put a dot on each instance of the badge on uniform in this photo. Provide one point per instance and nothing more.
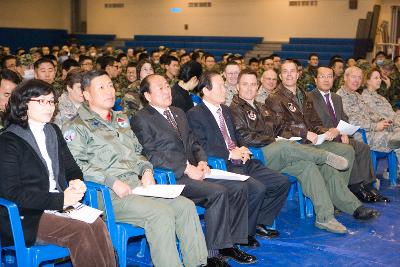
(95, 123)
(122, 123)
(69, 135)
(291, 107)
(252, 116)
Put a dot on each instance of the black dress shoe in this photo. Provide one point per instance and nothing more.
(252, 242)
(363, 195)
(264, 232)
(364, 213)
(378, 197)
(238, 255)
(216, 262)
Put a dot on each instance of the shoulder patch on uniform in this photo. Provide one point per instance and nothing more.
(69, 135)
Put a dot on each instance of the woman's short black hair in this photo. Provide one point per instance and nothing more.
(190, 69)
(17, 107)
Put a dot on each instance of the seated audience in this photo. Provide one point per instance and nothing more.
(106, 149)
(212, 124)
(188, 81)
(381, 132)
(71, 99)
(41, 176)
(329, 108)
(8, 81)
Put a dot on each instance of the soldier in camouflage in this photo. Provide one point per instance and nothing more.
(306, 81)
(231, 73)
(382, 135)
(269, 81)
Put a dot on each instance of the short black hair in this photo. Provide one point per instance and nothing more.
(17, 109)
(379, 53)
(170, 59)
(82, 58)
(145, 85)
(10, 75)
(131, 65)
(143, 55)
(41, 61)
(190, 69)
(89, 76)
(5, 58)
(253, 60)
(205, 80)
(107, 61)
(73, 77)
(312, 55)
(69, 63)
(334, 61)
(121, 56)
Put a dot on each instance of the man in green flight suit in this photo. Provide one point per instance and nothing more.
(108, 152)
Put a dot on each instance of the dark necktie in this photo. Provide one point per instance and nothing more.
(171, 120)
(222, 126)
(331, 111)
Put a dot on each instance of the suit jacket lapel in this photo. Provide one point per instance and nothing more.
(162, 120)
(212, 122)
(322, 104)
(228, 121)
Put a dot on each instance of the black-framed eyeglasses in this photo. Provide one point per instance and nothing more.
(44, 102)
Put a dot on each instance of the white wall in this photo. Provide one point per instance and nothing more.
(42, 14)
(271, 19)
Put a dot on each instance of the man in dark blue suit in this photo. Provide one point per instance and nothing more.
(168, 142)
(212, 124)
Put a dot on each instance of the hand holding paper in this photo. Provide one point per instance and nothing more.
(346, 128)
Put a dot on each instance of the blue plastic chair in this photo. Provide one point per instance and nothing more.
(195, 99)
(166, 176)
(119, 232)
(117, 104)
(29, 256)
(295, 184)
(390, 156)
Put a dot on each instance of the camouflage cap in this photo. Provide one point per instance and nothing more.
(363, 64)
(387, 64)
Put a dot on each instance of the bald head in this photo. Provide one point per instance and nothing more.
(269, 80)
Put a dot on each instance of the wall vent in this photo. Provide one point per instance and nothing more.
(303, 3)
(114, 5)
(199, 4)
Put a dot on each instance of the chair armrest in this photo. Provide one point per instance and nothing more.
(217, 163)
(363, 135)
(164, 176)
(91, 196)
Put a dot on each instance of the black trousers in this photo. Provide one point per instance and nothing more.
(362, 168)
(226, 209)
(267, 191)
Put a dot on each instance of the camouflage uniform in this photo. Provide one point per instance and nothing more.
(170, 81)
(158, 69)
(231, 91)
(306, 81)
(337, 83)
(131, 102)
(58, 86)
(395, 92)
(262, 95)
(67, 110)
(381, 106)
(360, 113)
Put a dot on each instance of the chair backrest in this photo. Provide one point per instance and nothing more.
(196, 99)
(164, 176)
(258, 154)
(16, 228)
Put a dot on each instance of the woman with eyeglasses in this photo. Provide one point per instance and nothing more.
(372, 83)
(39, 174)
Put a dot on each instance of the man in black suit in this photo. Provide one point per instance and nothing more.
(167, 142)
(212, 124)
(329, 107)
